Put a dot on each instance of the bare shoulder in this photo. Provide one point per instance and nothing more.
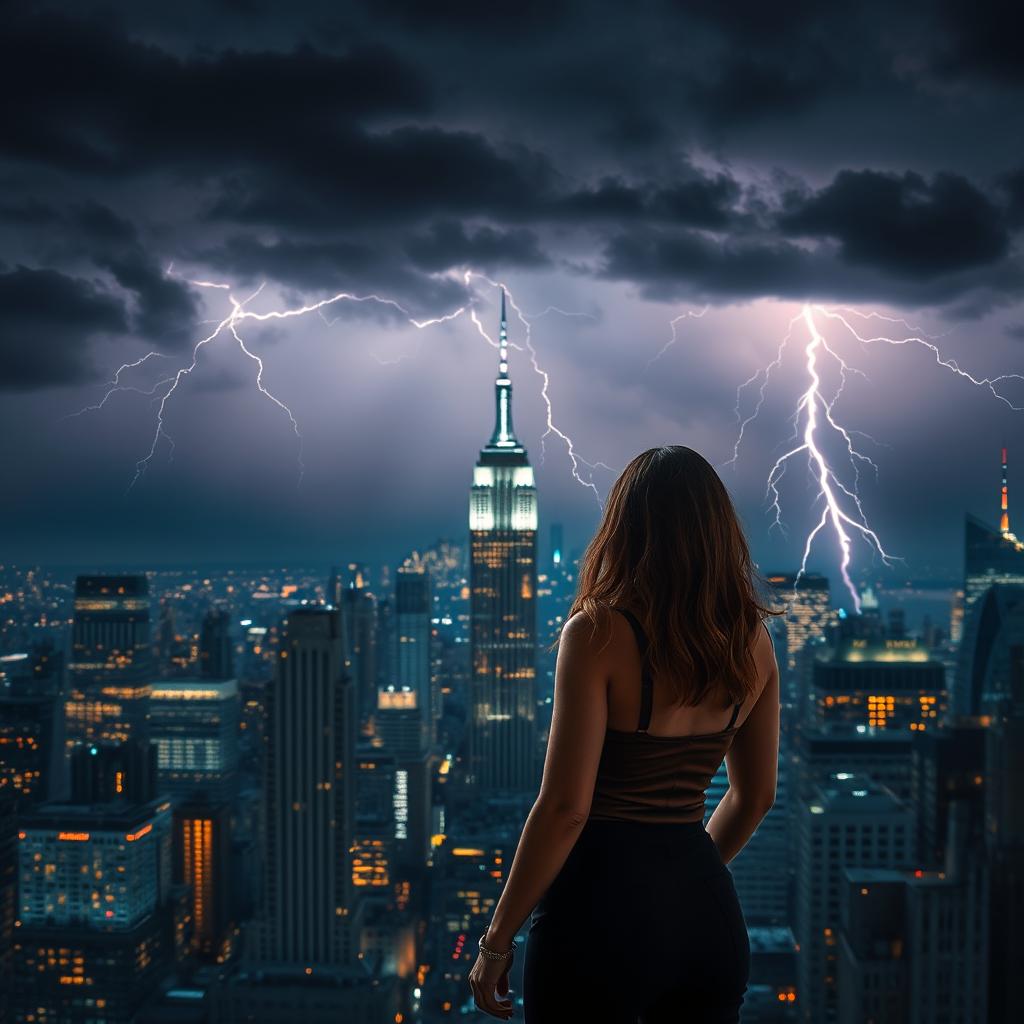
(763, 650)
(582, 636)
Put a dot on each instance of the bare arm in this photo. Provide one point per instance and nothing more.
(752, 763)
(578, 722)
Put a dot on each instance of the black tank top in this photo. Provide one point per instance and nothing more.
(658, 779)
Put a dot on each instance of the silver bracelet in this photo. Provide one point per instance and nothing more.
(490, 954)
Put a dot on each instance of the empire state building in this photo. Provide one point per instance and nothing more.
(503, 578)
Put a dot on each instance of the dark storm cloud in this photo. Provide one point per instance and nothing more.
(982, 40)
(114, 106)
(449, 243)
(698, 150)
(903, 224)
(46, 322)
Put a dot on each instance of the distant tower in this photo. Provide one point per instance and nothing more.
(1004, 507)
(503, 583)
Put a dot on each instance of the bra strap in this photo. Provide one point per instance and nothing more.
(646, 682)
(735, 712)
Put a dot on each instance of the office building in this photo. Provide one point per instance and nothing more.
(194, 725)
(111, 662)
(991, 556)
(503, 584)
(994, 625)
(849, 821)
(808, 609)
(31, 727)
(216, 654)
(202, 862)
(310, 796)
(413, 612)
(95, 901)
(8, 901)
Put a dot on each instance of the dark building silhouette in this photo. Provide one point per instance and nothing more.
(8, 902)
(503, 584)
(216, 656)
(310, 797)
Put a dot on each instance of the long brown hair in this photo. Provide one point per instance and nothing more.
(670, 547)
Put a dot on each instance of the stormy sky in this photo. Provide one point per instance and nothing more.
(626, 170)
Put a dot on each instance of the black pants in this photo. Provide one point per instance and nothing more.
(641, 924)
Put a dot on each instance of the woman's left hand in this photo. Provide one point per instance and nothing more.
(489, 979)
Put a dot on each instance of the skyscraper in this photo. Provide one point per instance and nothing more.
(503, 583)
(110, 659)
(194, 725)
(215, 655)
(310, 794)
(413, 608)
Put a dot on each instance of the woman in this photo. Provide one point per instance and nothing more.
(664, 669)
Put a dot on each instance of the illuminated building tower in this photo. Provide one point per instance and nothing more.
(889, 684)
(31, 729)
(216, 660)
(503, 584)
(402, 732)
(95, 909)
(110, 660)
(848, 822)
(194, 724)
(374, 847)
(8, 902)
(202, 851)
(310, 789)
(808, 607)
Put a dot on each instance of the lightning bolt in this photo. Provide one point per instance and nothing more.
(163, 390)
(814, 422)
(674, 335)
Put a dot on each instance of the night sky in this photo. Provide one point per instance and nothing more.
(628, 164)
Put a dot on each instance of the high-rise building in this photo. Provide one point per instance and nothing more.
(110, 632)
(111, 660)
(413, 608)
(893, 684)
(350, 591)
(850, 821)
(1004, 836)
(202, 852)
(990, 556)
(310, 776)
(95, 898)
(194, 724)
(995, 623)
(373, 852)
(31, 727)
(216, 657)
(503, 583)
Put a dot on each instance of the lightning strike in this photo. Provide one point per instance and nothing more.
(814, 421)
(165, 388)
(674, 337)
